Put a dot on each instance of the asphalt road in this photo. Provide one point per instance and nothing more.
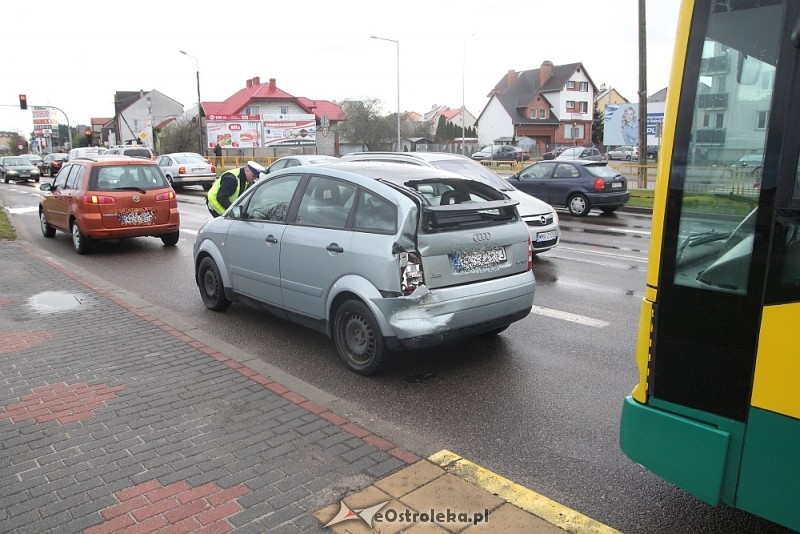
(538, 404)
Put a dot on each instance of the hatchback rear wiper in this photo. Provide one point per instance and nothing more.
(131, 188)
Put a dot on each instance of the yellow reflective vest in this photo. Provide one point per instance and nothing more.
(213, 203)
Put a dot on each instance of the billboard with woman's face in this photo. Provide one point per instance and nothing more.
(621, 124)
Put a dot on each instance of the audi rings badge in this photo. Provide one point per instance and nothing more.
(482, 236)
(136, 198)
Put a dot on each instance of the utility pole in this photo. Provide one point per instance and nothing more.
(642, 97)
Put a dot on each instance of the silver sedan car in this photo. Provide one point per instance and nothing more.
(378, 257)
(187, 168)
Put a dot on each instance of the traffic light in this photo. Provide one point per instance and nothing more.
(23, 102)
(88, 134)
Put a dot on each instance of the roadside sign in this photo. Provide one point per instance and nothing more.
(325, 123)
(324, 131)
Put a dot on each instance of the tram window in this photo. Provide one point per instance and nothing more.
(719, 198)
(784, 278)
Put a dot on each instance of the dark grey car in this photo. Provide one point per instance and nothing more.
(378, 256)
(17, 169)
(576, 184)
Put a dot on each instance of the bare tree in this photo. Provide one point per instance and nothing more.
(365, 125)
(180, 135)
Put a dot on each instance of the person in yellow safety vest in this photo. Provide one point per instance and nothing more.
(230, 185)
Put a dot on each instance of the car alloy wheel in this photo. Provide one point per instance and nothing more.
(79, 242)
(47, 230)
(358, 338)
(211, 287)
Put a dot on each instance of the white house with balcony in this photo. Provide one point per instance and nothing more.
(550, 105)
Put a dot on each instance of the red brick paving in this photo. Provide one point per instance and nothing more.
(16, 341)
(62, 402)
(178, 507)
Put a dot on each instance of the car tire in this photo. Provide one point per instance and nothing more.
(171, 239)
(80, 242)
(207, 187)
(578, 205)
(358, 338)
(36, 179)
(47, 230)
(212, 289)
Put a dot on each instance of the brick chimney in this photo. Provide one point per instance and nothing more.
(272, 86)
(256, 81)
(545, 72)
(249, 83)
(511, 77)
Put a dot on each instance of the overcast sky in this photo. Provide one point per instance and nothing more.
(76, 55)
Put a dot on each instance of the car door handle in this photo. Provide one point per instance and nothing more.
(333, 247)
(271, 239)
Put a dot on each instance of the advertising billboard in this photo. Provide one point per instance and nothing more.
(299, 129)
(621, 124)
(233, 131)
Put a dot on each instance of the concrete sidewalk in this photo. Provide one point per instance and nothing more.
(114, 417)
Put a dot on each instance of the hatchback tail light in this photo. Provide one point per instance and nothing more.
(530, 254)
(166, 196)
(411, 275)
(99, 199)
(599, 185)
(181, 170)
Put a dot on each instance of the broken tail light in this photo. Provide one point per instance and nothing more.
(411, 274)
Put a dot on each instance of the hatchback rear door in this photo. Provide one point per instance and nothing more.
(130, 196)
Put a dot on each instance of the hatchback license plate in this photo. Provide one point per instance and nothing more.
(137, 217)
(616, 185)
(476, 260)
(545, 236)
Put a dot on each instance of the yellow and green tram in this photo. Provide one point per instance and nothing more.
(716, 410)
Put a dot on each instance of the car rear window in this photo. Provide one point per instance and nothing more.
(116, 177)
(190, 158)
(473, 170)
(601, 171)
(138, 153)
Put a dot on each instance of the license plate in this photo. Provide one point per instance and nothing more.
(545, 236)
(477, 260)
(137, 217)
(616, 185)
(198, 170)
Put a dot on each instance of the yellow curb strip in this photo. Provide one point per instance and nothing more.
(520, 496)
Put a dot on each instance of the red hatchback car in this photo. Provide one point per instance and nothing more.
(109, 197)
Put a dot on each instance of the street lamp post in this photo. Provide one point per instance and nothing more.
(199, 113)
(395, 41)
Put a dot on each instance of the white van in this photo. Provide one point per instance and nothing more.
(86, 152)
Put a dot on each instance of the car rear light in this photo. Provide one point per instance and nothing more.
(411, 275)
(99, 199)
(181, 170)
(166, 196)
(213, 169)
(530, 254)
(599, 185)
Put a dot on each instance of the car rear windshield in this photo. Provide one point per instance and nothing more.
(601, 171)
(137, 153)
(473, 170)
(454, 203)
(122, 177)
(191, 158)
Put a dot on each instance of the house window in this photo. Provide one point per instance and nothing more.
(570, 85)
(532, 113)
(762, 120)
(284, 110)
(251, 110)
(584, 107)
(573, 131)
(585, 86)
(570, 104)
(136, 125)
(706, 120)
(720, 118)
(542, 113)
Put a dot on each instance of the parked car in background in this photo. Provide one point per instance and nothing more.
(378, 257)
(749, 161)
(579, 185)
(501, 153)
(109, 198)
(300, 159)
(51, 163)
(187, 168)
(652, 152)
(579, 152)
(17, 169)
(627, 153)
(555, 152)
(134, 151)
(86, 152)
(541, 218)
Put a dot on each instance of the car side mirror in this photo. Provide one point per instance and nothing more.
(46, 187)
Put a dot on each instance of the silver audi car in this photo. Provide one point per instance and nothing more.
(379, 257)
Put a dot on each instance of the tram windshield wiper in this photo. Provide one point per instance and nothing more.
(694, 240)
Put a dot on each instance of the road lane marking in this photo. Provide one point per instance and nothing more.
(27, 209)
(570, 317)
(187, 231)
(624, 230)
(602, 253)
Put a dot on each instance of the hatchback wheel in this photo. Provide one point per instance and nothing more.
(80, 242)
(211, 287)
(358, 338)
(578, 205)
(47, 230)
(170, 240)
